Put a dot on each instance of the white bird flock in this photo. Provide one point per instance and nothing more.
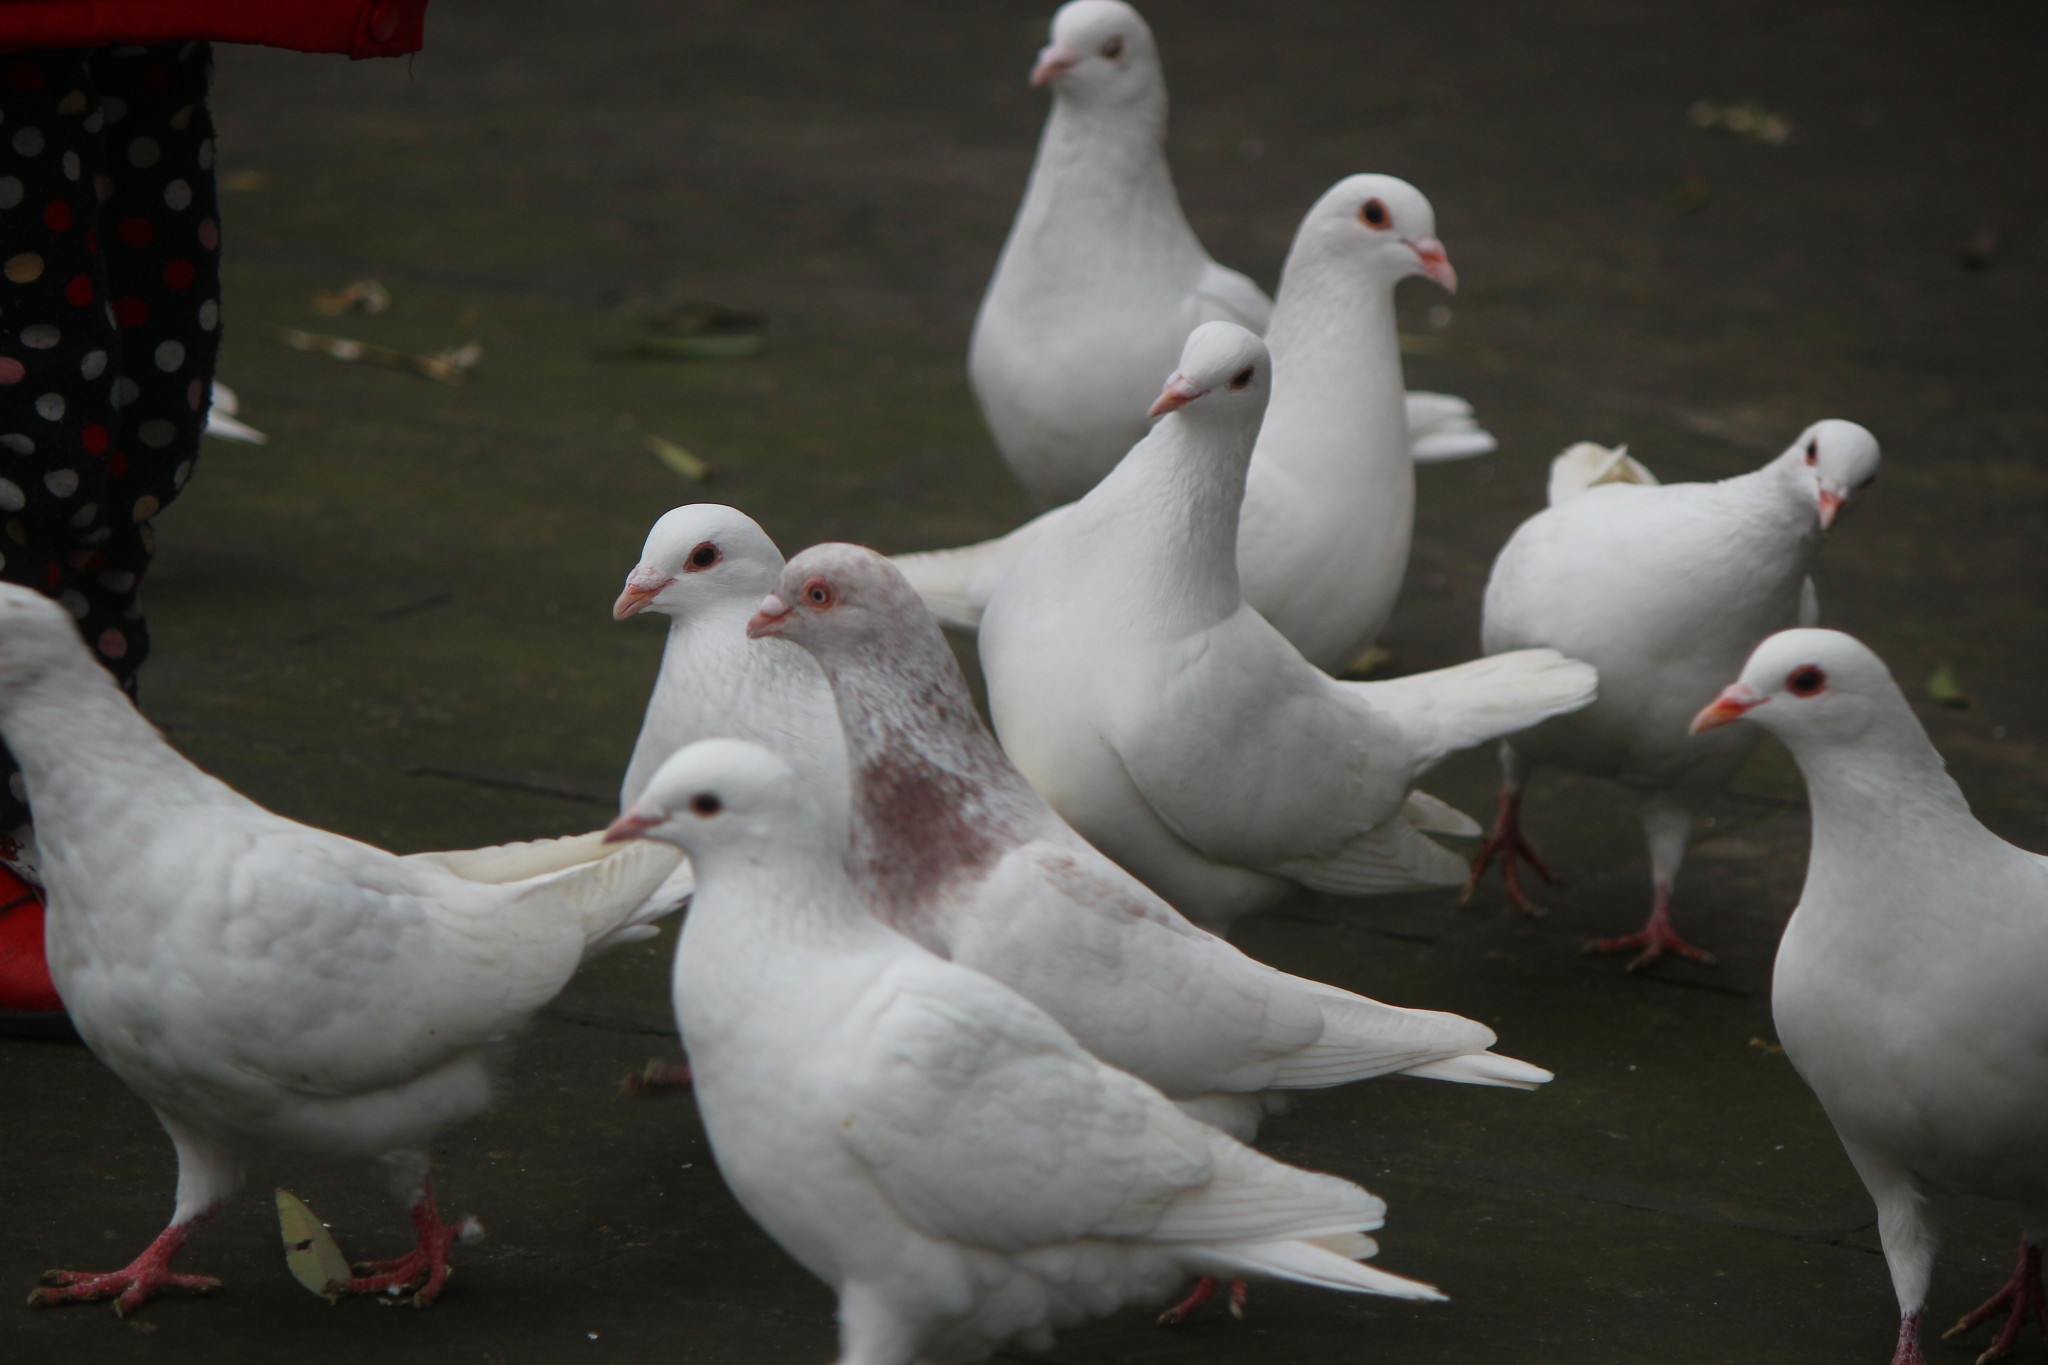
(965, 1037)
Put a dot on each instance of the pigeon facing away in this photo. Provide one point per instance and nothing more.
(954, 848)
(1329, 505)
(706, 568)
(1907, 990)
(1178, 731)
(1102, 279)
(267, 988)
(924, 1139)
(1665, 589)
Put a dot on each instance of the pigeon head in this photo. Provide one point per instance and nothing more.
(1382, 223)
(722, 793)
(1831, 461)
(699, 555)
(1807, 685)
(1101, 53)
(1225, 373)
(37, 638)
(836, 599)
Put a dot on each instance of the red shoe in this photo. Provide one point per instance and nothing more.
(29, 1004)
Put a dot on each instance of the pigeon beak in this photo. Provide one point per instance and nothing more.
(1832, 496)
(768, 620)
(1054, 61)
(1735, 701)
(641, 589)
(1436, 262)
(634, 824)
(1178, 393)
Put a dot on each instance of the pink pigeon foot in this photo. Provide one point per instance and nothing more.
(1506, 840)
(425, 1266)
(133, 1286)
(1907, 1352)
(1204, 1289)
(2022, 1295)
(1654, 939)
(657, 1075)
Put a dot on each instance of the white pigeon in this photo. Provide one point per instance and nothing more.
(956, 850)
(222, 422)
(706, 567)
(1101, 278)
(1329, 505)
(271, 990)
(922, 1138)
(1907, 990)
(1178, 731)
(1665, 589)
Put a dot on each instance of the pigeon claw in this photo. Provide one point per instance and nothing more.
(1204, 1290)
(1506, 841)
(2020, 1298)
(132, 1286)
(1651, 942)
(657, 1075)
(425, 1266)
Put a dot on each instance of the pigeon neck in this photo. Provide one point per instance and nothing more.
(935, 801)
(1100, 199)
(1790, 490)
(86, 753)
(1338, 415)
(1176, 499)
(790, 891)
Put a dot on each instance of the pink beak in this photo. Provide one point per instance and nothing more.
(1178, 393)
(1436, 263)
(632, 825)
(1735, 701)
(1054, 61)
(640, 590)
(768, 620)
(1830, 503)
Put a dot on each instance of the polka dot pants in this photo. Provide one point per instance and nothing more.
(109, 326)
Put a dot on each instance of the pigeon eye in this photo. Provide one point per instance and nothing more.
(1242, 377)
(818, 593)
(704, 556)
(706, 804)
(1113, 49)
(1807, 681)
(1813, 450)
(1374, 214)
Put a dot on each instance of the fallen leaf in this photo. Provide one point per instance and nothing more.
(310, 1251)
(1760, 1045)
(1944, 688)
(677, 458)
(451, 366)
(361, 296)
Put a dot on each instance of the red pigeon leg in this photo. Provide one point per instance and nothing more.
(134, 1285)
(1507, 841)
(2021, 1294)
(425, 1266)
(1205, 1288)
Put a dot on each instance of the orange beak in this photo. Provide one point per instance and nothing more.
(1831, 501)
(1734, 703)
(1436, 262)
(631, 825)
(639, 592)
(1178, 393)
(1054, 61)
(768, 620)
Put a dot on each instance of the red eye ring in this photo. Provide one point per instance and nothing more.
(703, 557)
(1808, 680)
(819, 593)
(1374, 214)
(1813, 450)
(1114, 48)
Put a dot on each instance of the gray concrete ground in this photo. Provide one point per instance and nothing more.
(392, 621)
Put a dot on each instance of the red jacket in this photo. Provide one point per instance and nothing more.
(361, 28)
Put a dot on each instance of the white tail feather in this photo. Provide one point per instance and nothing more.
(1306, 1263)
(1483, 1068)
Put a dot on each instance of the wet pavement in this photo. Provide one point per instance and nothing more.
(393, 620)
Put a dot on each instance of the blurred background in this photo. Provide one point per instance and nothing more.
(1693, 229)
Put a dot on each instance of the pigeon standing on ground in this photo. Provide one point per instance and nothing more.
(1178, 731)
(1329, 504)
(924, 1139)
(269, 989)
(1665, 589)
(1908, 985)
(1102, 278)
(955, 849)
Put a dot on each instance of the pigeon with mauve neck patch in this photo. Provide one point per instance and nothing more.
(1102, 279)
(921, 1137)
(1329, 503)
(1665, 588)
(1907, 989)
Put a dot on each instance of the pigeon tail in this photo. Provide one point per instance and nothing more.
(1441, 428)
(499, 864)
(1309, 1262)
(1484, 1068)
(956, 584)
(1391, 857)
(1455, 708)
(1587, 465)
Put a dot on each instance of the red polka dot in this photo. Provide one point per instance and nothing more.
(90, 561)
(117, 464)
(209, 234)
(113, 644)
(131, 312)
(196, 394)
(56, 215)
(25, 76)
(178, 274)
(79, 292)
(95, 438)
(11, 370)
(136, 231)
(55, 575)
